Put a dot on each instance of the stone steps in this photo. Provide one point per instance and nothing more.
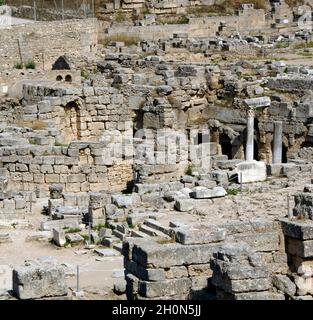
(120, 235)
(153, 232)
(139, 234)
(118, 247)
(159, 227)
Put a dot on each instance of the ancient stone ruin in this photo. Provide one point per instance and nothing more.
(156, 150)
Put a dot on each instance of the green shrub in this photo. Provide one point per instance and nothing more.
(128, 40)
(282, 45)
(233, 191)
(188, 171)
(60, 144)
(18, 65)
(30, 64)
(303, 45)
(72, 230)
(100, 226)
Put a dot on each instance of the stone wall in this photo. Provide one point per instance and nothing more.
(182, 270)
(246, 21)
(46, 41)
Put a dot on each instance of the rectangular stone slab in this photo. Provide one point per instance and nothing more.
(206, 234)
(168, 255)
(302, 230)
(164, 288)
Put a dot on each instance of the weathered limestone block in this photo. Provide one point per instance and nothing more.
(164, 288)
(126, 201)
(197, 270)
(251, 171)
(284, 284)
(299, 229)
(201, 235)
(304, 285)
(59, 237)
(144, 273)
(266, 241)
(184, 205)
(74, 238)
(5, 279)
(290, 169)
(38, 279)
(168, 255)
(56, 191)
(239, 286)
(263, 295)
(237, 269)
(204, 193)
(303, 205)
(176, 273)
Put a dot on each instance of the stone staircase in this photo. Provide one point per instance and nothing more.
(149, 228)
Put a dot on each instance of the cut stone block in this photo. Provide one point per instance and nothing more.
(251, 171)
(204, 193)
(39, 279)
(184, 205)
(201, 235)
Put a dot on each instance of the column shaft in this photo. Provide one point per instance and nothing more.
(278, 142)
(250, 138)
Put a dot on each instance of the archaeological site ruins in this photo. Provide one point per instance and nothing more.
(156, 150)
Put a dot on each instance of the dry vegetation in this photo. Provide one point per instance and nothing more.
(121, 37)
(224, 7)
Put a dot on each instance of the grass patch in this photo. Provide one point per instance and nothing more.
(32, 141)
(100, 226)
(282, 45)
(188, 171)
(213, 10)
(306, 54)
(128, 40)
(233, 191)
(59, 144)
(85, 73)
(165, 241)
(225, 7)
(72, 230)
(120, 16)
(85, 236)
(303, 45)
(175, 20)
(18, 65)
(30, 64)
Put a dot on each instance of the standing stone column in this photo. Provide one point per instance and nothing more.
(250, 136)
(278, 142)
